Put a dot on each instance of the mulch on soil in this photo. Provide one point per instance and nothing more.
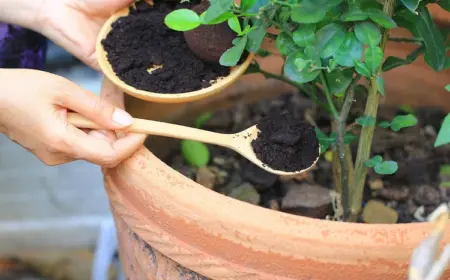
(141, 41)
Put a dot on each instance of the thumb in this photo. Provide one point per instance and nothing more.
(97, 109)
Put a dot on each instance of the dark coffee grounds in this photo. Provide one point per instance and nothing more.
(284, 143)
(141, 41)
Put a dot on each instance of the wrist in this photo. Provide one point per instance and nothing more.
(25, 13)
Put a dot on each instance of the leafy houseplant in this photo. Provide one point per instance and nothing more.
(328, 47)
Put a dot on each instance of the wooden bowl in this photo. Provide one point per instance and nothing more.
(218, 86)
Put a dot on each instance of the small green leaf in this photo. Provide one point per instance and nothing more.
(304, 35)
(182, 20)
(447, 87)
(373, 57)
(403, 121)
(222, 18)
(393, 62)
(202, 119)
(255, 38)
(292, 72)
(195, 153)
(366, 121)
(384, 124)
(374, 161)
(348, 138)
(232, 56)
(235, 25)
(379, 17)
(362, 69)
(411, 5)
(284, 44)
(386, 168)
(443, 136)
(355, 14)
(247, 4)
(329, 39)
(311, 11)
(339, 80)
(350, 50)
(380, 84)
(324, 144)
(368, 33)
(422, 26)
(217, 9)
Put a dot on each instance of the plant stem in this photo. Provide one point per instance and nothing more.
(309, 93)
(366, 136)
(340, 145)
(406, 40)
(328, 96)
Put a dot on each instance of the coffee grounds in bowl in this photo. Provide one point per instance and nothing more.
(141, 41)
(284, 143)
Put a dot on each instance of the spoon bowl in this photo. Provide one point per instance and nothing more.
(218, 86)
(240, 142)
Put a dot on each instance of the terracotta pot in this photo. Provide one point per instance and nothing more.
(170, 227)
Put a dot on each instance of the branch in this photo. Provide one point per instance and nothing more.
(341, 151)
(366, 136)
(328, 96)
(302, 88)
(406, 40)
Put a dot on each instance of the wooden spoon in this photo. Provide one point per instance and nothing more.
(239, 142)
(217, 87)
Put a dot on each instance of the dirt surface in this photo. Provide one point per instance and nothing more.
(141, 42)
(285, 143)
(413, 192)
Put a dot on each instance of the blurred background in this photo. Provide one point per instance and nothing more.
(49, 216)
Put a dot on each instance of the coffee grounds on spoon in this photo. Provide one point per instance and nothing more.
(286, 144)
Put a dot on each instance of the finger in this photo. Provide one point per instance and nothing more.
(93, 107)
(112, 93)
(128, 145)
(105, 7)
(106, 135)
(97, 147)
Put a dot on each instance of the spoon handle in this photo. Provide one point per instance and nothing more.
(160, 129)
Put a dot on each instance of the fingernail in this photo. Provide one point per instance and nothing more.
(122, 118)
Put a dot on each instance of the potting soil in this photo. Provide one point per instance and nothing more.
(141, 43)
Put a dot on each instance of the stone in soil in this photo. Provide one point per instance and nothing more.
(307, 200)
(206, 177)
(284, 143)
(375, 212)
(259, 177)
(209, 42)
(426, 195)
(247, 193)
(396, 194)
(141, 41)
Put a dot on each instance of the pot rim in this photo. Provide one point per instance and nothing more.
(235, 73)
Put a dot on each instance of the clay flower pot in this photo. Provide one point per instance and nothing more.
(162, 97)
(170, 227)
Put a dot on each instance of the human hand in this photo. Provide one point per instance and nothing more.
(75, 24)
(33, 113)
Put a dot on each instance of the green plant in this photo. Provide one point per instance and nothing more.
(328, 47)
(196, 153)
